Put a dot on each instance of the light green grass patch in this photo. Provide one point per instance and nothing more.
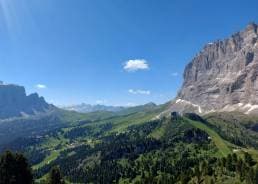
(218, 141)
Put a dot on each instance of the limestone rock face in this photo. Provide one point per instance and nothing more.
(14, 102)
(223, 76)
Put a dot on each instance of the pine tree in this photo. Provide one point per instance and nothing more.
(204, 167)
(248, 159)
(234, 160)
(184, 178)
(212, 181)
(250, 176)
(239, 168)
(14, 169)
(229, 164)
(256, 174)
(55, 176)
(223, 161)
(197, 173)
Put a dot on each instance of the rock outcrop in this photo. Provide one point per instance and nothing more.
(223, 76)
(14, 102)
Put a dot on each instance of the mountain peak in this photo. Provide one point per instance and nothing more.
(223, 76)
(151, 104)
(84, 108)
(14, 102)
(252, 26)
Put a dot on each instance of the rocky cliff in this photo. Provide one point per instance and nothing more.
(14, 102)
(223, 76)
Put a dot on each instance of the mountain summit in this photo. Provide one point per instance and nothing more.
(223, 76)
(14, 102)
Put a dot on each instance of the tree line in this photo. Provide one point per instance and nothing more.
(15, 169)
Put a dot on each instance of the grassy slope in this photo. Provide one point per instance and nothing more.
(236, 124)
(120, 121)
(53, 155)
(221, 144)
(51, 144)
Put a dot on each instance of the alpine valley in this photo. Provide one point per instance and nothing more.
(207, 134)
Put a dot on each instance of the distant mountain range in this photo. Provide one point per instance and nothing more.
(83, 107)
(15, 103)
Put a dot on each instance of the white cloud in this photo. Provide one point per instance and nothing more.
(174, 74)
(139, 92)
(137, 64)
(41, 86)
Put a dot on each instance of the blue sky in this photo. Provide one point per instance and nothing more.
(114, 52)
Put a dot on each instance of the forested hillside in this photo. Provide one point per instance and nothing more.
(136, 147)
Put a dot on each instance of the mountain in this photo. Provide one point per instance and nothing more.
(138, 145)
(87, 108)
(15, 103)
(93, 108)
(222, 76)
